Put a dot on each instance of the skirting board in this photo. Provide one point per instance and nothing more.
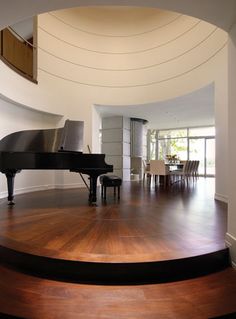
(230, 242)
(222, 198)
(67, 186)
(42, 188)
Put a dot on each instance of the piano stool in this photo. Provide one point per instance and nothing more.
(110, 181)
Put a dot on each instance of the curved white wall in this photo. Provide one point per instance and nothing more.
(16, 118)
(231, 231)
(112, 59)
(98, 55)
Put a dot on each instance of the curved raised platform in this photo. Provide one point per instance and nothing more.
(116, 273)
(149, 235)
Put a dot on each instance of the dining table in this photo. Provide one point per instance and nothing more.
(174, 166)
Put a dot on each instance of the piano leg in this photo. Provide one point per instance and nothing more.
(10, 175)
(93, 189)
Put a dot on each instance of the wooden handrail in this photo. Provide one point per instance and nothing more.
(18, 53)
(20, 37)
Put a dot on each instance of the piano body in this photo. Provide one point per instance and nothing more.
(59, 148)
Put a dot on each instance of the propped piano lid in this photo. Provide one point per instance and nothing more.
(69, 139)
(72, 136)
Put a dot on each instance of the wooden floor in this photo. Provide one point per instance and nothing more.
(147, 224)
(35, 298)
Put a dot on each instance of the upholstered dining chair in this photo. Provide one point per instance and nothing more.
(146, 170)
(189, 170)
(195, 170)
(157, 169)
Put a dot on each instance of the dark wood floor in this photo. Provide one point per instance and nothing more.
(35, 298)
(147, 224)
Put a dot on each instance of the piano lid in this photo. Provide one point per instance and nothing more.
(69, 138)
(72, 136)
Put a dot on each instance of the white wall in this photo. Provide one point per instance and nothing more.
(221, 124)
(87, 69)
(231, 232)
(16, 118)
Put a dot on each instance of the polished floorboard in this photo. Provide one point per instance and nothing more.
(199, 298)
(147, 224)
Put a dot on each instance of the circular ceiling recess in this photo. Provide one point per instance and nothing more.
(123, 47)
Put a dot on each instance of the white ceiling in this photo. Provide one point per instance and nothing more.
(193, 109)
(24, 28)
(219, 12)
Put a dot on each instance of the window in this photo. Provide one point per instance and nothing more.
(152, 145)
(196, 143)
(172, 146)
(202, 131)
(172, 133)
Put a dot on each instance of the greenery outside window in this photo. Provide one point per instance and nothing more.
(197, 143)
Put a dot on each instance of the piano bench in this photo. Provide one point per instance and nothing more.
(110, 181)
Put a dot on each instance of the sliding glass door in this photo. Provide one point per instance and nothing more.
(197, 152)
(203, 150)
(193, 143)
(210, 156)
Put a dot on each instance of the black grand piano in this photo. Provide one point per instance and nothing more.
(59, 148)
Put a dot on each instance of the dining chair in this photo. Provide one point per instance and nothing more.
(184, 173)
(146, 170)
(195, 171)
(157, 169)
